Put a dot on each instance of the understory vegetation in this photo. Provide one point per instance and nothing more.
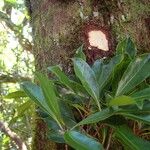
(98, 106)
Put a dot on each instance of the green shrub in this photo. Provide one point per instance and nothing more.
(96, 99)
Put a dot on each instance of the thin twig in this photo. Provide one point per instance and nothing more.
(109, 139)
(5, 129)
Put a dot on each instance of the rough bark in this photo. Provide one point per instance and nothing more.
(57, 26)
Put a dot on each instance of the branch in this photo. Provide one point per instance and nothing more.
(4, 78)
(5, 129)
(25, 43)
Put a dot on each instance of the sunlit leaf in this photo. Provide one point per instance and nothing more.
(11, 1)
(23, 108)
(16, 94)
(121, 100)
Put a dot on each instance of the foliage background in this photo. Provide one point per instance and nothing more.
(16, 64)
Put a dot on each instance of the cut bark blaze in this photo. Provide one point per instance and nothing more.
(98, 39)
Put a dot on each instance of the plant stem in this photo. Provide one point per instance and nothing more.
(109, 139)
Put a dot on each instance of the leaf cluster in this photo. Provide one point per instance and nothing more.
(108, 93)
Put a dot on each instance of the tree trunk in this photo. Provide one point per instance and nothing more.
(58, 30)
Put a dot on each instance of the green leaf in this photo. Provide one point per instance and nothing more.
(143, 118)
(97, 67)
(72, 85)
(87, 77)
(57, 70)
(127, 46)
(80, 141)
(50, 96)
(137, 71)
(23, 108)
(131, 112)
(132, 142)
(106, 70)
(21, 111)
(36, 94)
(16, 94)
(141, 95)
(67, 115)
(80, 54)
(55, 136)
(139, 104)
(121, 100)
(11, 1)
(51, 123)
(133, 109)
(96, 117)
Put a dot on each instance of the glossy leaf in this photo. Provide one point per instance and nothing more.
(133, 109)
(55, 136)
(122, 100)
(118, 72)
(80, 141)
(72, 85)
(49, 94)
(96, 117)
(88, 78)
(67, 114)
(57, 70)
(127, 46)
(137, 71)
(36, 94)
(106, 70)
(97, 67)
(131, 112)
(51, 123)
(134, 113)
(141, 95)
(79, 53)
(145, 118)
(129, 140)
